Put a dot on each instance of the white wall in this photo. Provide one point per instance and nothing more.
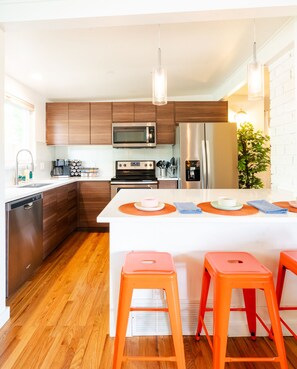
(4, 311)
(283, 122)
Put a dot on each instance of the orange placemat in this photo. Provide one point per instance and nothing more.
(131, 209)
(286, 205)
(245, 210)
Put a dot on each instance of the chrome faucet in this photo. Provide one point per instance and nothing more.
(17, 164)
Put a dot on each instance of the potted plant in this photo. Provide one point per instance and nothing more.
(253, 155)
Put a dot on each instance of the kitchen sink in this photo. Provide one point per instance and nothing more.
(34, 185)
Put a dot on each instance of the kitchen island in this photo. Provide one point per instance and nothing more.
(188, 237)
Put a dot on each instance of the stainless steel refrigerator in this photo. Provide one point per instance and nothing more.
(206, 155)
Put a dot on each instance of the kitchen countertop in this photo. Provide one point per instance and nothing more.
(112, 214)
(16, 192)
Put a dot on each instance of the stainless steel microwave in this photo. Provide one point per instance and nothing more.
(141, 134)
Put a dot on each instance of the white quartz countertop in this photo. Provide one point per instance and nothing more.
(17, 192)
(111, 213)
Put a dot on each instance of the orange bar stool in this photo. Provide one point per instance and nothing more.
(230, 270)
(152, 270)
(287, 261)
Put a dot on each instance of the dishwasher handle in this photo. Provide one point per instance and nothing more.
(26, 202)
(28, 206)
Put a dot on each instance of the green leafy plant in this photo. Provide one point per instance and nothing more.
(253, 155)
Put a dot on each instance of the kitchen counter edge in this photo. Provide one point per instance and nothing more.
(14, 192)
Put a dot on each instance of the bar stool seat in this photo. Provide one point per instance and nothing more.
(152, 270)
(287, 261)
(230, 270)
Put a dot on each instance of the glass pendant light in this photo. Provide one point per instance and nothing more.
(240, 117)
(159, 81)
(255, 75)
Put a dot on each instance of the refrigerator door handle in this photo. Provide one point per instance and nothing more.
(204, 166)
(208, 169)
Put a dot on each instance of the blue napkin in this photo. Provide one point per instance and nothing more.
(187, 208)
(266, 207)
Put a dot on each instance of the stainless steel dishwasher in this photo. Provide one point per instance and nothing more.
(23, 240)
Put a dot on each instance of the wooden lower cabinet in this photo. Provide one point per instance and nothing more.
(49, 221)
(167, 183)
(59, 215)
(93, 197)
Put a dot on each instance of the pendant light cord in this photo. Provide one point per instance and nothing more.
(159, 48)
(254, 44)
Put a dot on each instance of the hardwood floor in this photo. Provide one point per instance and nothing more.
(59, 319)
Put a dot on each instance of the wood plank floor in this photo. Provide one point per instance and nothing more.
(59, 319)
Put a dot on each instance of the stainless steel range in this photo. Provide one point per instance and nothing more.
(134, 174)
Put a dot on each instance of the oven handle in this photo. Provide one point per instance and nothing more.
(134, 183)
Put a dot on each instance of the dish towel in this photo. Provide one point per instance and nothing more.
(266, 207)
(187, 208)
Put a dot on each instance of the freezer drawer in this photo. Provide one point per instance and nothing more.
(23, 240)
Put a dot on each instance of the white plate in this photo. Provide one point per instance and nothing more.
(216, 205)
(145, 208)
(293, 203)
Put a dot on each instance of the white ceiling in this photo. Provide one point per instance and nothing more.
(89, 63)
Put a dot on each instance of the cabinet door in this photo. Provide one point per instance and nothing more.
(72, 207)
(62, 213)
(101, 119)
(57, 123)
(144, 112)
(123, 112)
(201, 111)
(79, 124)
(165, 124)
(93, 197)
(49, 221)
(167, 184)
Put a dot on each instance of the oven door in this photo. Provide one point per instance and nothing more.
(116, 187)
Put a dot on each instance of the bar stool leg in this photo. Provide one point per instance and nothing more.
(249, 295)
(172, 298)
(275, 322)
(279, 287)
(125, 298)
(222, 293)
(280, 282)
(203, 300)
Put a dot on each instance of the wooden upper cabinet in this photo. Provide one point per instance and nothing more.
(201, 111)
(57, 123)
(79, 123)
(123, 112)
(101, 119)
(144, 112)
(165, 124)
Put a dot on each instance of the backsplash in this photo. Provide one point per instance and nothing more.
(104, 157)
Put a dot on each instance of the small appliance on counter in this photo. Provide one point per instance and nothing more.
(60, 168)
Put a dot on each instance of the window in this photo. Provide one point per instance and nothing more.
(19, 130)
